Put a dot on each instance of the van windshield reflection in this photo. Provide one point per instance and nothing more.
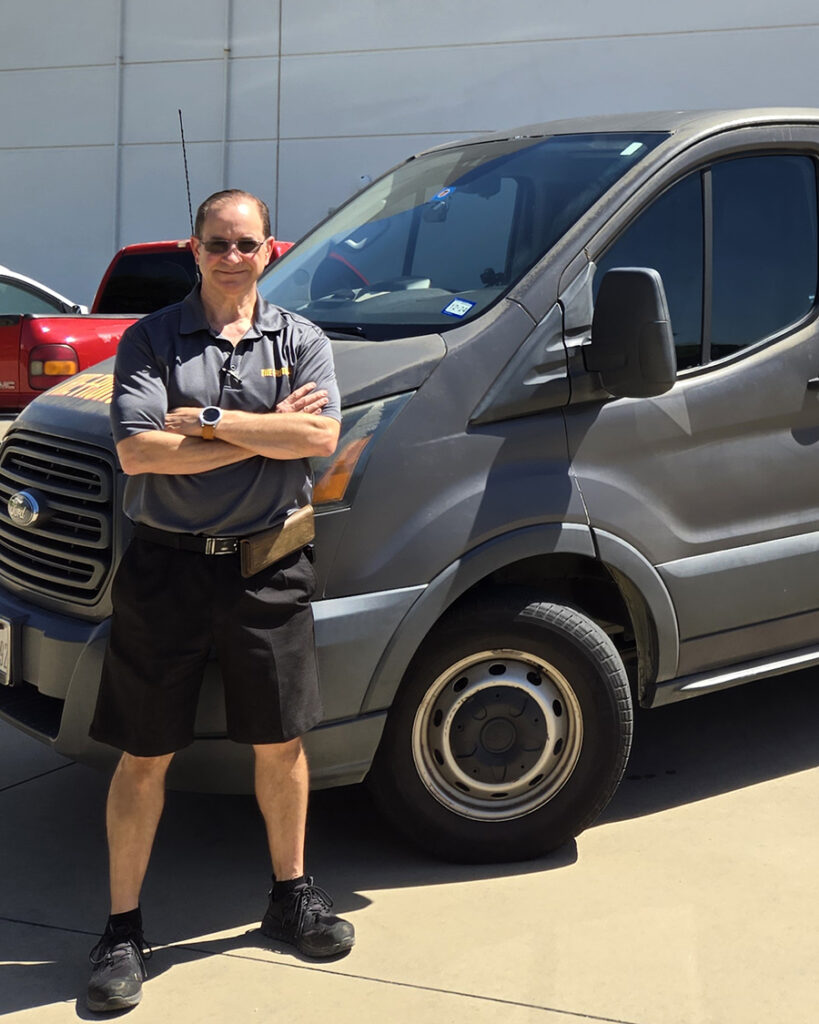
(439, 239)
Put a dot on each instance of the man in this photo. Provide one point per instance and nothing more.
(218, 401)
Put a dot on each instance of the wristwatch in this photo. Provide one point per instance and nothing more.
(209, 419)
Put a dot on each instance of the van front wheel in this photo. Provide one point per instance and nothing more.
(509, 734)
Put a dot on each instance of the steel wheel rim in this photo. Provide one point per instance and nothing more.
(497, 735)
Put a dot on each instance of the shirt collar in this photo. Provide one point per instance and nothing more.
(267, 318)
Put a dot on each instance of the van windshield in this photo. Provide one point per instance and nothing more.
(439, 239)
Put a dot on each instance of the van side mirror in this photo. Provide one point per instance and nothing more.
(632, 345)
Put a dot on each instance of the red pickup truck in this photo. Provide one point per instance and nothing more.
(38, 350)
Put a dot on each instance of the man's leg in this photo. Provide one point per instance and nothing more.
(282, 784)
(298, 910)
(135, 801)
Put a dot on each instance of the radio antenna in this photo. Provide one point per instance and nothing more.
(185, 159)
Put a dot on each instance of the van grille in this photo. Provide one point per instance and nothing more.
(67, 554)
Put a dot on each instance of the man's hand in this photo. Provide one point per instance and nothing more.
(301, 400)
(183, 421)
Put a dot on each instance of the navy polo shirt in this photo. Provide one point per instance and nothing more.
(172, 359)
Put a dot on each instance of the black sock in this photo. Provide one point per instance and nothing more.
(281, 890)
(127, 923)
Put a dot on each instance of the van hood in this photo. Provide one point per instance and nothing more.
(78, 407)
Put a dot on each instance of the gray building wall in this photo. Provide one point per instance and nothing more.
(299, 100)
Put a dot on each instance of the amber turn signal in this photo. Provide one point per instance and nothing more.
(332, 484)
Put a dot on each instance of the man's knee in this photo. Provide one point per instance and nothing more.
(280, 755)
(142, 771)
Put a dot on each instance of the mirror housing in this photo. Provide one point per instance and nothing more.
(632, 345)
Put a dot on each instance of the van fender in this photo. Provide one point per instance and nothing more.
(442, 592)
(625, 561)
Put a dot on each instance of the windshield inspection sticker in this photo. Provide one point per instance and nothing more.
(458, 307)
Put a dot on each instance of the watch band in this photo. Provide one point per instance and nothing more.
(208, 431)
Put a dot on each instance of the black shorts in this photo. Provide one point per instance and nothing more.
(173, 610)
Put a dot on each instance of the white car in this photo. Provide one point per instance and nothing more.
(20, 294)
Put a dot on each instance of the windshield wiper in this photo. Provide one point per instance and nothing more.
(341, 331)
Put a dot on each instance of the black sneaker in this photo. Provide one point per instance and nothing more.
(300, 918)
(118, 970)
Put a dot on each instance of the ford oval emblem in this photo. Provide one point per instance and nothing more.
(23, 508)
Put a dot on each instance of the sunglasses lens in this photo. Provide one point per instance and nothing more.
(219, 246)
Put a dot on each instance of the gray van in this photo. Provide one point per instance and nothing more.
(580, 371)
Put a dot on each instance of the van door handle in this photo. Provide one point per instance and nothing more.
(813, 384)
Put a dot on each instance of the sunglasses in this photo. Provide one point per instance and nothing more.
(221, 246)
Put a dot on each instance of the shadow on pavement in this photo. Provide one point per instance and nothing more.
(210, 873)
(719, 743)
(351, 851)
(54, 969)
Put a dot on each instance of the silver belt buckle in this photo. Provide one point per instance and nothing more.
(221, 546)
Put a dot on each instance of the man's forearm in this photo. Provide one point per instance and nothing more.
(297, 435)
(158, 451)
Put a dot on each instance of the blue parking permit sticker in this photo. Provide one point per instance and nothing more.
(443, 193)
(458, 307)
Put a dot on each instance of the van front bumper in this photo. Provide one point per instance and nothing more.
(59, 662)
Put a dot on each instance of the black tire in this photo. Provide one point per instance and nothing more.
(509, 733)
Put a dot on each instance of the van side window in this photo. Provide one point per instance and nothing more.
(765, 248)
(668, 236)
(755, 243)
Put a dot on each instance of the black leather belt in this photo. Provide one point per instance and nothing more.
(188, 541)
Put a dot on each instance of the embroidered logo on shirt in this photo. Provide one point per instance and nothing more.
(270, 372)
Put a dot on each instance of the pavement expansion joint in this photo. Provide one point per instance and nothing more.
(312, 966)
(49, 927)
(39, 775)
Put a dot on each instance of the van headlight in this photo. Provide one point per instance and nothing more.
(336, 475)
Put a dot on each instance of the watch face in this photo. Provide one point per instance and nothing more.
(210, 416)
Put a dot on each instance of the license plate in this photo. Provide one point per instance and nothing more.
(5, 652)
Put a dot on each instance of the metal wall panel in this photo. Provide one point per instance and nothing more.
(252, 165)
(349, 89)
(152, 94)
(55, 214)
(53, 33)
(254, 28)
(153, 199)
(161, 30)
(471, 88)
(314, 26)
(56, 107)
(254, 89)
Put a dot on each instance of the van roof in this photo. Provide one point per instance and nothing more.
(686, 122)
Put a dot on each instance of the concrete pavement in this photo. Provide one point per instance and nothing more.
(693, 901)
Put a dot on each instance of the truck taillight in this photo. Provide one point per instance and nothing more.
(49, 364)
